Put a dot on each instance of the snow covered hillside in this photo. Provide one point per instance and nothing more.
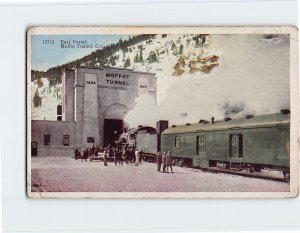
(44, 99)
(169, 56)
(198, 77)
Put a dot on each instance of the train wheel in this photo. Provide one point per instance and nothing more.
(181, 163)
(227, 166)
(252, 169)
(176, 161)
(240, 167)
(286, 175)
(257, 168)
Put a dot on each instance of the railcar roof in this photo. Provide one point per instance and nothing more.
(260, 120)
(146, 128)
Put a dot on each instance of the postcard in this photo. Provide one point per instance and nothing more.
(162, 112)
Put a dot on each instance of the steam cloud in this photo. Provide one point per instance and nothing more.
(252, 78)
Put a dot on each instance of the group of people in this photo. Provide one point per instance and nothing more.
(166, 160)
(124, 154)
(119, 155)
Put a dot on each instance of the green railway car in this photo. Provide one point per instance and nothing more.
(253, 142)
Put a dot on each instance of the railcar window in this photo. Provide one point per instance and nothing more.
(47, 140)
(201, 144)
(176, 142)
(66, 140)
(236, 145)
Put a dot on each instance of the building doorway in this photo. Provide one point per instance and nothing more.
(33, 148)
(112, 130)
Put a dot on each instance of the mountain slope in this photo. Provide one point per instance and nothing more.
(166, 55)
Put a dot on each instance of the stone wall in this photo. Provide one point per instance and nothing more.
(56, 130)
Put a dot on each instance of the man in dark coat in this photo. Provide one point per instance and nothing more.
(115, 154)
(169, 160)
(105, 154)
(158, 161)
(164, 162)
(85, 155)
(76, 153)
(119, 156)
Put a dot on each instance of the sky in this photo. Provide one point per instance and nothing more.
(45, 55)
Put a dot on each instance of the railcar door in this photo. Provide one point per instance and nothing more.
(236, 145)
(201, 153)
(201, 145)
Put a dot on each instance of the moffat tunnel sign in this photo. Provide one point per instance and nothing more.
(117, 79)
(113, 79)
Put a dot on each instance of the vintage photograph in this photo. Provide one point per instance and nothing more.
(162, 112)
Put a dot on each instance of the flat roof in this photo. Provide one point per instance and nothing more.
(112, 68)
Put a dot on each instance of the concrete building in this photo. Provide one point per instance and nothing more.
(94, 104)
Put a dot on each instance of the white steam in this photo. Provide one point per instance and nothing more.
(252, 78)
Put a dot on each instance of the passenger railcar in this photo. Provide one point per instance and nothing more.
(254, 143)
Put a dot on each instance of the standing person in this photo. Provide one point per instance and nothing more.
(137, 157)
(158, 161)
(92, 152)
(169, 159)
(119, 152)
(83, 154)
(105, 157)
(76, 154)
(115, 155)
(124, 154)
(141, 156)
(132, 155)
(88, 151)
(79, 154)
(88, 154)
(164, 161)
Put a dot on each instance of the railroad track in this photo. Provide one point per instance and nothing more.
(216, 170)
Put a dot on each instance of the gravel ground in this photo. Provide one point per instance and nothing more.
(62, 174)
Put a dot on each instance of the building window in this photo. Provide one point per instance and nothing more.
(90, 139)
(47, 140)
(236, 145)
(201, 144)
(176, 142)
(66, 140)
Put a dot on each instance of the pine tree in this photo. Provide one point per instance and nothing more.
(181, 49)
(39, 82)
(136, 58)
(173, 46)
(37, 101)
(112, 60)
(152, 57)
(140, 47)
(141, 59)
(127, 63)
(188, 41)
